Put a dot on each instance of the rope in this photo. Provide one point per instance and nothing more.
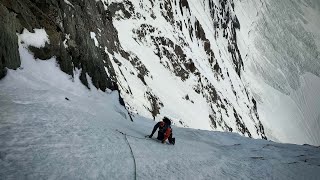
(130, 135)
(134, 159)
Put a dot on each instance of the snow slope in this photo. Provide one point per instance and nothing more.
(45, 136)
(280, 42)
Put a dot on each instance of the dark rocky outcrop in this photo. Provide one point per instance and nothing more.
(166, 48)
(59, 19)
(241, 126)
(184, 4)
(155, 104)
(9, 55)
(227, 21)
(167, 11)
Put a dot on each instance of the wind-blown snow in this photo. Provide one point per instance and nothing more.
(45, 136)
(280, 40)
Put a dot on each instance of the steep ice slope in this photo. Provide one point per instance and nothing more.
(45, 136)
(280, 42)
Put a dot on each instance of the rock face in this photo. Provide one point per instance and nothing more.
(9, 56)
(139, 47)
(66, 26)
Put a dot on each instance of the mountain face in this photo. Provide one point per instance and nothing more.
(46, 136)
(279, 41)
(174, 58)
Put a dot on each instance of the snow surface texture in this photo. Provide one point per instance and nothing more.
(280, 40)
(53, 127)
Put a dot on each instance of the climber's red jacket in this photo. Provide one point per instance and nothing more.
(164, 130)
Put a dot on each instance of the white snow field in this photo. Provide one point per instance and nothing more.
(45, 136)
(280, 43)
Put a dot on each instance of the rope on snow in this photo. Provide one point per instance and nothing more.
(130, 135)
(134, 159)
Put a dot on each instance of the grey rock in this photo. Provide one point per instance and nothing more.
(9, 55)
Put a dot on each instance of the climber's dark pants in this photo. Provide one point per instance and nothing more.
(161, 136)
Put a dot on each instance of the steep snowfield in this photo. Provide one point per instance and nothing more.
(280, 43)
(45, 136)
(167, 37)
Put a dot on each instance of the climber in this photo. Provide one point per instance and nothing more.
(165, 131)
